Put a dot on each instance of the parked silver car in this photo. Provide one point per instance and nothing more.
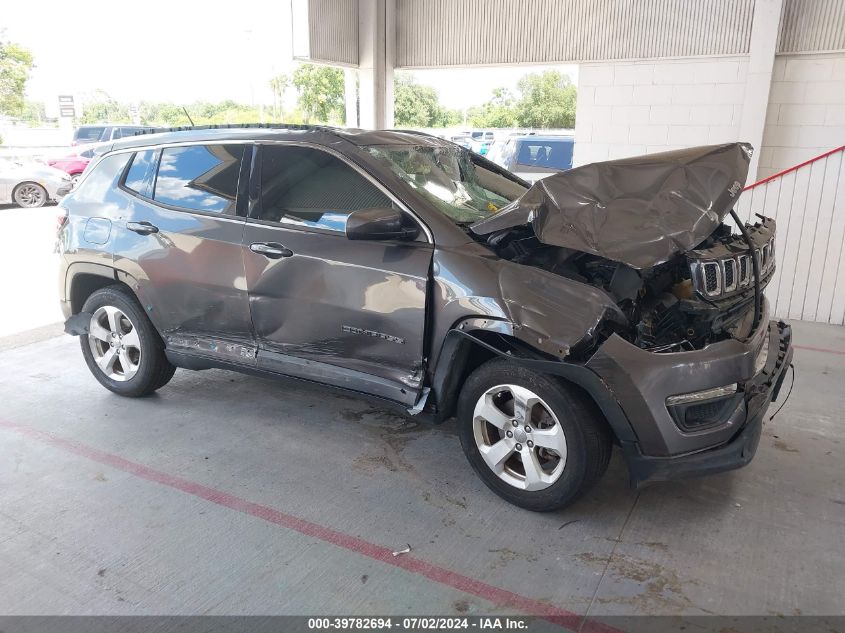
(30, 184)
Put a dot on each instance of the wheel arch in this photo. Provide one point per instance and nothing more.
(84, 279)
(30, 182)
(475, 341)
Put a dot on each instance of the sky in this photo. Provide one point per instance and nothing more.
(184, 50)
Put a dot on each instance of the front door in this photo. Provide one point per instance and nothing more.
(343, 312)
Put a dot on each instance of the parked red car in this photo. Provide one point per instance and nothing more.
(74, 164)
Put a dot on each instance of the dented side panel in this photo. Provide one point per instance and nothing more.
(546, 311)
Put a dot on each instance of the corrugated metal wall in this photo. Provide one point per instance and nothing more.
(809, 206)
(470, 32)
(432, 33)
(812, 25)
(333, 31)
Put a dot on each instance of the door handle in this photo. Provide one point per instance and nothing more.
(273, 250)
(142, 228)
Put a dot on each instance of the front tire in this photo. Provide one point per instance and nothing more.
(534, 440)
(122, 348)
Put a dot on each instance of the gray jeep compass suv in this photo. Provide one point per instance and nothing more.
(606, 305)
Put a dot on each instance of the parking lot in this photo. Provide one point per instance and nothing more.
(229, 494)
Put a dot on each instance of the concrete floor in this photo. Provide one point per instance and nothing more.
(227, 494)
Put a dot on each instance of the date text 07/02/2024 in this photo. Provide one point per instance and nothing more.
(419, 623)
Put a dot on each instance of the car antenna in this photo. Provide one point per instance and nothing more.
(185, 110)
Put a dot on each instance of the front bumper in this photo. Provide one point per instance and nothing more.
(664, 451)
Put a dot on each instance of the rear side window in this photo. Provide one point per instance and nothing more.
(301, 186)
(138, 176)
(199, 177)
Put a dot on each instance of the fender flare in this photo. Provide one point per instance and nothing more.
(460, 340)
(75, 269)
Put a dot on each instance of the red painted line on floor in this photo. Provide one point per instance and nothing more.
(820, 349)
(497, 595)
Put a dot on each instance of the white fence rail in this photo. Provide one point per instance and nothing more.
(808, 202)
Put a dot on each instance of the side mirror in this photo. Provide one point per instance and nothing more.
(378, 224)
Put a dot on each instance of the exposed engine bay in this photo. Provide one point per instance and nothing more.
(698, 297)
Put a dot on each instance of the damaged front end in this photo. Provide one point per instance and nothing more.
(697, 298)
(649, 232)
(695, 361)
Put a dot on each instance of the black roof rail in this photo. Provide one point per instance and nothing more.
(428, 134)
(227, 126)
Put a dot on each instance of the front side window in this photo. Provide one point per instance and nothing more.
(453, 180)
(137, 177)
(309, 188)
(199, 177)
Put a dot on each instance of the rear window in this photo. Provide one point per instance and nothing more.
(199, 177)
(89, 134)
(123, 132)
(549, 154)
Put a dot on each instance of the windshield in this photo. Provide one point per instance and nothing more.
(451, 179)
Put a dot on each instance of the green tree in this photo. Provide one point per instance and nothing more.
(547, 100)
(164, 114)
(278, 85)
(500, 111)
(34, 112)
(15, 64)
(415, 105)
(321, 93)
(101, 108)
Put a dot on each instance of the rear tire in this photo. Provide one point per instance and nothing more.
(534, 440)
(122, 348)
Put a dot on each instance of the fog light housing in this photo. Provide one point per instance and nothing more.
(701, 410)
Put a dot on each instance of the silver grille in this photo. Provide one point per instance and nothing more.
(729, 272)
(714, 278)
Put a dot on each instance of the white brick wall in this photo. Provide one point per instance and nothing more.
(806, 113)
(625, 109)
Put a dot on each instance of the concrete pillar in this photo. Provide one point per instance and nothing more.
(761, 59)
(376, 44)
(350, 89)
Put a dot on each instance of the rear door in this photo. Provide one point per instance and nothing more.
(182, 240)
(349, 313)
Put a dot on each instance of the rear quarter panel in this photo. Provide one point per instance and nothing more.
(93, 211)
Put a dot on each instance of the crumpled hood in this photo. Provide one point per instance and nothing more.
(640, 211)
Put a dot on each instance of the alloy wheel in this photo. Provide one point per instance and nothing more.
(114, 343)
(519, 437)
(30, 195)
